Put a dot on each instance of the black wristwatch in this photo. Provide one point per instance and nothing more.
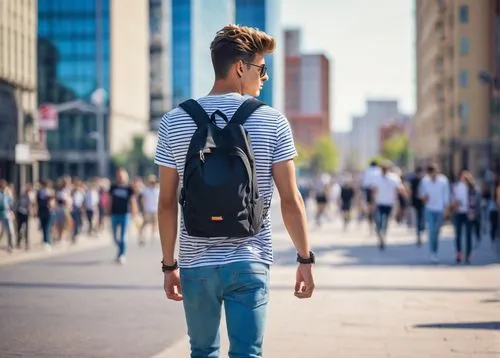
(167, 268)
(310, 260)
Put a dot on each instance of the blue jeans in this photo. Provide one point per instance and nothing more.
(8, 228)
(434, 222)
(46, 221)
(382, 218)
(243, 287)
(120, 222)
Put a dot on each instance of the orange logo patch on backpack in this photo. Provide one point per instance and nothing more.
(217, 218)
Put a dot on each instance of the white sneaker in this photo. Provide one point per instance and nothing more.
(47, 247)
(122, 260)
(434, 259)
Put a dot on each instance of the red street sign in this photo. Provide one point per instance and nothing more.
(47, 117)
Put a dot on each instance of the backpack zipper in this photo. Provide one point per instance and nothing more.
(202, 156)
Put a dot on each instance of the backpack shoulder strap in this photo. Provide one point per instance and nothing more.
(196, 112)
(245, 110)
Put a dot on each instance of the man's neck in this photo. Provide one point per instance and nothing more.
(224, 87)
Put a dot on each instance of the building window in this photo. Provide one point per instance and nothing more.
(464, 14)
(464, 78)
(463, 111)
(464, 45)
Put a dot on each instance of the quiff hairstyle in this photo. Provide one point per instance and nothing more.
(234, 43)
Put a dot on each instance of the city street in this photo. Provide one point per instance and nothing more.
(367, 303)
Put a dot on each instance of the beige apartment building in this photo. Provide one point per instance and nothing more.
(455, 124)
(18, 85)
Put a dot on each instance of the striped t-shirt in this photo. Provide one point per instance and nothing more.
(272, 142)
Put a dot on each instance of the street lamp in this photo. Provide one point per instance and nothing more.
(98, 98)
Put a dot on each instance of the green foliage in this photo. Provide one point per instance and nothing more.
(135, 160)
(303, 157)
(397, 148)
(325, 156)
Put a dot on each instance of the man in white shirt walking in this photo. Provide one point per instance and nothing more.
(435, 193)
(386, 187)
(369, 175)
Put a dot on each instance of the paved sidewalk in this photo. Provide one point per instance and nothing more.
(36, 251)
(380, 304)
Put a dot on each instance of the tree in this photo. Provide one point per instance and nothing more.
(303, 157)
(325, 156)
(397, 148)
(135, 160)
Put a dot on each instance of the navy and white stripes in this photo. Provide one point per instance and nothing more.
(272, 142)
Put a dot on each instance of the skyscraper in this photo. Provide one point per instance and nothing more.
(194, 24)
(84, 45)
(266, 16)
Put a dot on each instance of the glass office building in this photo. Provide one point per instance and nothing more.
(265, 15)
(194, 24)
(73, 61)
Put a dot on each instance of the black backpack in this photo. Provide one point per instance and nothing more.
(220, 196)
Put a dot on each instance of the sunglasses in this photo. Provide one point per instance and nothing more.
(263, 68)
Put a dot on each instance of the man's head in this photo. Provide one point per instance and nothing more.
(152, 181)
(238, 57)
(432, 170)
(419, 171)
(122, 176)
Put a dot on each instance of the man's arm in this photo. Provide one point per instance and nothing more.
(167, 212)
(292, 206)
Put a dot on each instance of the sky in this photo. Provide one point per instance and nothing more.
(370, 44)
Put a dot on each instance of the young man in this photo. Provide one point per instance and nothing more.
(233, 270)
(386, 187)
(369, 175)
(435, 193)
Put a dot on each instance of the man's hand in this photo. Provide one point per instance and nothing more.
(304, 282)
(172, 285)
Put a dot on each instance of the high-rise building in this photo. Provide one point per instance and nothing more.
(266, 16)
(365, 129)
(84, 45)
(455, 123)
(194, 25)
(160, 20)
(307, 103)
(18, 85)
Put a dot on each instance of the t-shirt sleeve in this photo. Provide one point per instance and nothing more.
(164, 156)
(285, 147)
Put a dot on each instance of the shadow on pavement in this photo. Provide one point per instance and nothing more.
(395, 254)
(73, 263)
(84, 286)
(462, 325)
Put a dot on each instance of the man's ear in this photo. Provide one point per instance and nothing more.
(239, 68)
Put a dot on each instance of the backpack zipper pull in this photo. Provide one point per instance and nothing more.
(202, 156)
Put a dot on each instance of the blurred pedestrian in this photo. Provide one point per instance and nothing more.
(45, 210)
(435, 193)
(347, 194)
(417, 203)
(149, 200)
(386, 188)
(6, 215)
(368, 178)
(121, 195)
(24, 210)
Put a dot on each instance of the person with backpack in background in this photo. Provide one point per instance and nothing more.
(226, 148)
